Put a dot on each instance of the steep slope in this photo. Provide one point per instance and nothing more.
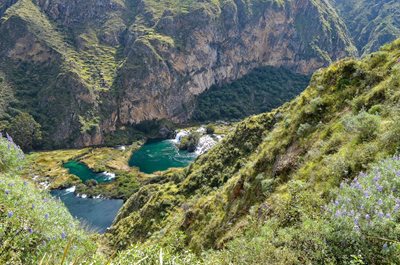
(36, 228)
(371, 23)
(280, 165)
(87, 69)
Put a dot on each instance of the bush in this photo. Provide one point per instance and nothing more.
(11, 156)
(189, 142)
(26, 131)
(32, 224)
(365, 216)
(210, 129)
(365, 125)
(261, 90)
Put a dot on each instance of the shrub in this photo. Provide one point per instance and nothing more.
(365, 125)
(189, 142)
(11, 156)
(365, 216)
(32, 224)
(210, 129)
(26, 131)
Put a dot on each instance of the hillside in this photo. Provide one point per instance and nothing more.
(315, 181)
(88, 70)
(35, 228)
(268, 185)
(371, 23)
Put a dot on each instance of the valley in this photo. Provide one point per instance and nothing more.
(199, 132)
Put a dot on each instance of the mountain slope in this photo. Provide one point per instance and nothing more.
(371, 23)
(87, 69)
(281, 165)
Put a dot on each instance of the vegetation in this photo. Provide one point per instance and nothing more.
(272, 184)
(26, 131)
(34, 227)
(362, 15)
(314, 181)
(189, 142)
(48, 167)
(64, 62)
(259, 91)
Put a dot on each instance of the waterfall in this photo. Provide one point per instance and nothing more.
(206, 142)
(180, 135)
(108, 175)
(70, 190)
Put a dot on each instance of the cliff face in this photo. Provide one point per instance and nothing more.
(372, 23)
(97, 66)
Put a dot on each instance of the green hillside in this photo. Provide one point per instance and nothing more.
(268, 184)
(35, 228)
(315, 181)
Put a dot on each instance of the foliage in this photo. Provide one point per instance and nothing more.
(32, 224)
(259, 91)
(210, 129)
(189, 142)
(282, 165)
(362, 15)
(11, 156)
(25, 131)
(365, 215)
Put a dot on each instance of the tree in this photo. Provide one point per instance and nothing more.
(25, 131)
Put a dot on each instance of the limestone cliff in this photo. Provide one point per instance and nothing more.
(88, 68)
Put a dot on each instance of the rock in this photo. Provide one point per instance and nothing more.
(164, 58)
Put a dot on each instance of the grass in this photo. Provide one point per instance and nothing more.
(48, 167)
(33, 224)
(343, 123)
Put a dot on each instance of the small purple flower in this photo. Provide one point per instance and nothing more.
(362, 175)
(396, 208)
(30, 230)
(380, 214)
(46, 216)
(25, 183)
(10, 214)
(380, 202)
(366, 194)
(385, 246)
(367, 217)
(63, 235)
(379, 188)
(336, 202)
(388, 215)
(377, 177)
(45, 200)
(7, 192)
(338, 213)
(33, 206)
(9, 138)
